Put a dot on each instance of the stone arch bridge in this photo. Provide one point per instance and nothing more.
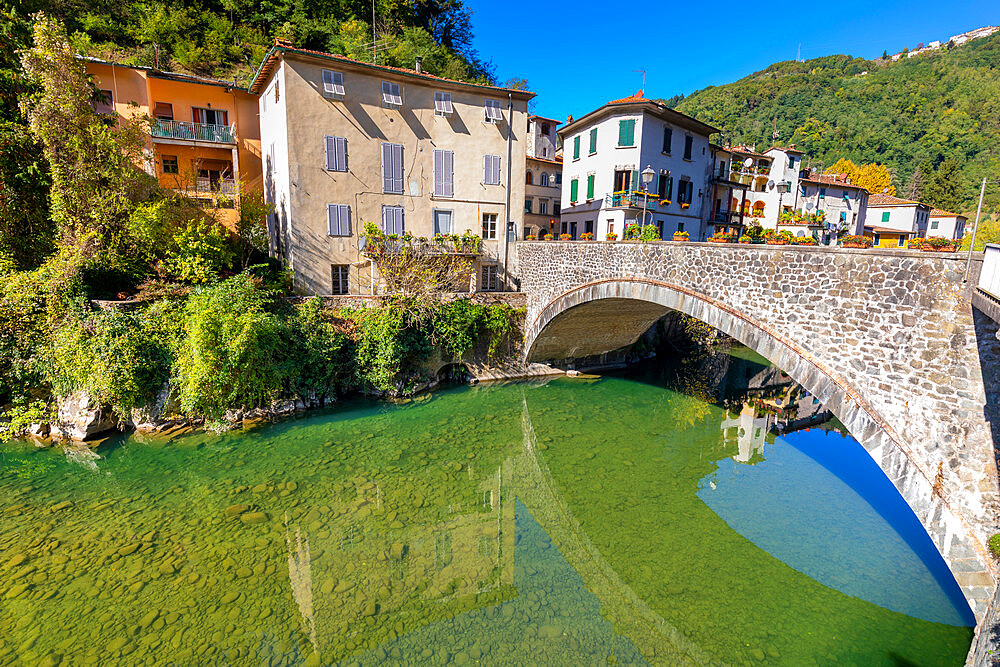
(886, 339)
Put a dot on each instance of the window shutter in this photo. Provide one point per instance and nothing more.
(438, 172)
(331, 219)
(885, 216)
(590, 186)
(345, 220)
(449, 174)
(593, 140)
(668, 135)
(670, 187)
(631, 132)
(340, 153)
(397, 166)
(331, 153)
(634, 183)
(574, 189)
(386, 168)
(576, 147)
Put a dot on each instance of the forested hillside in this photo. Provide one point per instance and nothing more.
(228, 38)
(912, 115)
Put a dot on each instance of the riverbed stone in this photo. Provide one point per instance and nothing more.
(251, 518)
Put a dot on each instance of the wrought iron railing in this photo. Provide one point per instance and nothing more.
(177, 129)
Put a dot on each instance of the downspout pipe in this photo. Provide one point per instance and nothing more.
(507, 224)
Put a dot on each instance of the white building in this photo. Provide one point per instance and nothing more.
(604, 153)
(844, 206)
(978, 33)
(771, 179)
(946, 225)
(892, 220)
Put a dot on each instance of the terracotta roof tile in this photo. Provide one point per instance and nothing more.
(939, 213)
(879, 199)
(636, 97)
(832, 179)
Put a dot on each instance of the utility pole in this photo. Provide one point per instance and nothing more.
(975, 228)
(374, 39)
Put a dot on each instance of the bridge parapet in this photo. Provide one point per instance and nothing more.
(888, 338)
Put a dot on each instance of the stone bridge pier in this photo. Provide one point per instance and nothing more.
(886, 339)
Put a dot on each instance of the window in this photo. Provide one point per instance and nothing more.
(489, 278)
(668, 138)
(491, 169)
(688, 144)
(392, 168)
(168, 164)
(588, 227)
(444, 173)
(528, 178)
(611, 226)
(934, 224)
(959, 229)
(843, 216)
(593, 141)
(336, 153)
(340, 272)
(574, 190)
(659, 228)
(590, 186)
(444, 222)
(489, 226)
(680, 226)
(664, 185)
(543, 206)
(555, 208)
(338, 219)
(885, 216)
(576, 147)
(822, 193)
(626, 132)
(900, 241)
(333, 83)
(527, 205)
(442, 103)
(791, 162)
(391, 94)
(104, 102)
(494, 113)
(685, 192)
(545, 129)
(877, 238)
(558, 178)
(210, 116)
(392, 219)
(163, 111)
(544, 180)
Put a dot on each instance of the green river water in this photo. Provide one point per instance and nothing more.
(571, 522)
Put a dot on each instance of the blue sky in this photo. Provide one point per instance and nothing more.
(577, 56)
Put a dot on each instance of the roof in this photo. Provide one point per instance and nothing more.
(832, 179)
(746, 150)
(879, 200)
(534, 116)
(546, 160)
(644, 104)
(789, 149)
(938, 213)
(889, 230)
(173, 76)
(267, 66)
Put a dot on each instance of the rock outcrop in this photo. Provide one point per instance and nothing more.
(78, 417)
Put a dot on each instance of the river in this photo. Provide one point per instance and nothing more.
(654, 516)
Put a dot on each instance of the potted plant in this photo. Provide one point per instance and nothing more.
(565, 237)
(936, 244)
(855, 241)
(721, 237)
(685, 205)
(745, 239)
(805, 240)
(781, 238)
(530, 237)
(611, 236)
(587, 236)
(915, 243)
(548, 237)
(664, 202)
(682, 236)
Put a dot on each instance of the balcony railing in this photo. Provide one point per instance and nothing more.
(177, 129)
(625, 199)
(226, 186)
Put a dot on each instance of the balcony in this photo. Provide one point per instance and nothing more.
(208, 186)
(626, 199)
(185, 131)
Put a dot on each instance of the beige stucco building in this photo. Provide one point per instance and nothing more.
(542, 178)
(346, 142)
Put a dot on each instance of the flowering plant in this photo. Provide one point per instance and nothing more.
(587, 236)
(530, 237)
(681, 236)
(611, 237)
(548, 237)
(565, 237)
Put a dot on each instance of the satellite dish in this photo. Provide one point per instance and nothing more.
(748, 162)
(809, 206)
(770, 184)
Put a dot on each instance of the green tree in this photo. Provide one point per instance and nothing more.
(946, 188)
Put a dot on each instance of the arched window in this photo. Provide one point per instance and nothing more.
(544, 180)
(527, 178)
(758, 208)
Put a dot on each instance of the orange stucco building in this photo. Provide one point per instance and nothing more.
(204, 133)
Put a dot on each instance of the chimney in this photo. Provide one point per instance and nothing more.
(419, 65)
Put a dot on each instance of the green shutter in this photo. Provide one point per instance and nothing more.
(576, 147)
(593, 140)
(590, 187)
(635, 186)
(626, 132)
(670, 187)
(885, 216)
(574, 189)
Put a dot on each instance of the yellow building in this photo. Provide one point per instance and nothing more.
(204, 135)
(891, 221)
(347, 142)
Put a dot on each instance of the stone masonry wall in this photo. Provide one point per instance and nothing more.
(896, 327)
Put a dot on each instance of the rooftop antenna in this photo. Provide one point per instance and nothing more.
(643, 72)
(798, 56)
(374, 39)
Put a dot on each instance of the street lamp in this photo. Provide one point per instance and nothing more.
(647, 178)
(975, 228)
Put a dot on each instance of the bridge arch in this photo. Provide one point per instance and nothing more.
(604, 315)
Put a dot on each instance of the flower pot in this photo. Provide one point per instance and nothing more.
(944, 248)
(678, 237)
(855, 245)
(777, 242)
(714, 240)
